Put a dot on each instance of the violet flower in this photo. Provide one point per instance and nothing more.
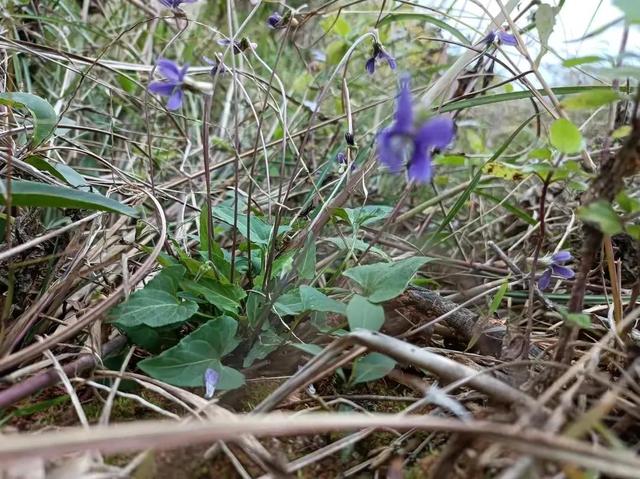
(501, 37)
(217, 67)
(379, 54)
(341, 159)
(275, 21)
(555, 268)
(211, 378)
(173, 83)
(238, 47)
(175, 4)
(404, 140)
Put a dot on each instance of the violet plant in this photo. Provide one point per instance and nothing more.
(555, 267)
(172, 86)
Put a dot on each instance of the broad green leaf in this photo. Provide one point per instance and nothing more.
(314, 300)
(154, 308)
(590, 99)
(573, 62)
(364, 215)
(401, 16)
(601, 215)
(631, 9)
(289, 304)
(168, 279)
(371, 367)
(565, 136)
(307, 262)
(30, 193)
(364, 315)
(259, 230)
(185, 363)
(349, 243)
(267, 342)
(384, 281)
(44, 116)
(151, 339)
(225, 297)
(628, 203)
(60, 171)
(308, 348)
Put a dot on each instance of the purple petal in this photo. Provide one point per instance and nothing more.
(341, 158)
(170, 3)
(507, 39)
(211, 378)
(170, 70)
(404, 107)
(490, 38)
(562, 271)
(175, 100)
(161, 88)
(561, 257)
(436, 133)
(273, 20)
(223, 42)
(420, 165)
(545, 279)
(371, 65)
(389, 153)
(383, 55)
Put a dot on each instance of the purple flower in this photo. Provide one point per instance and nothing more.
(341, 159)
(554, 267)
(501, 37)
(175, 4)
(211, 377)
(403, 140)
(172, 84)
(275, 20)
(379, 54)
(217, 67)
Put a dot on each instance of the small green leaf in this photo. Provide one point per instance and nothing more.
(225, 297)
(153, 308)
(364, 215)
(185, 363)
(289, 304)
(259, 230)
(30, 193)
(581, 320)
(624, 130)
(267, 342)
(151, 339)
(628, 203)
(307, 263)
(371, 367)
(126, 83)
(364, 315)
(339, 25)
(60, 171)
(308, 348)
(590, 99)
(545, 21)
(336, 51)
(44, 116)
(573, 62)
(384, 281)
(497, 299)
(602, 216)
(314, 300)
(565, 136)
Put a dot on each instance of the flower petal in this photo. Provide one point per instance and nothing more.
(545, 279)
(161, 88)
(561, 257)
(404, 108)
(383, 55)
(211, 377)
(507, 39)
(436, 133)
(175, 100)
(170, 70)
(371, 65)
(388, 152)
(562, 271)
(420, 164)
(489, 39)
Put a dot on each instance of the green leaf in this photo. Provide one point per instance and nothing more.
(259, 231)
(151, 339)
(371, 367)
(314, 300)
(565, 136)
(267, 342)
(126, 83)
(308, 348)
(631, 9)
(168, 279)
(30, 193)
(307, 263)
(154, 308)
(363, 314)
(628, 203)
(44, 116)
(581, 320)
(395, 17)
(289, 304)
(350, 243)
(384, 281)
(60, 171)
(624, 130)
(602, 216)
(336, 51)
(364, 215)
(573, 62)
(497, 299)
(225, 297)
(185, 363)
(545, 21)
(590, 99)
